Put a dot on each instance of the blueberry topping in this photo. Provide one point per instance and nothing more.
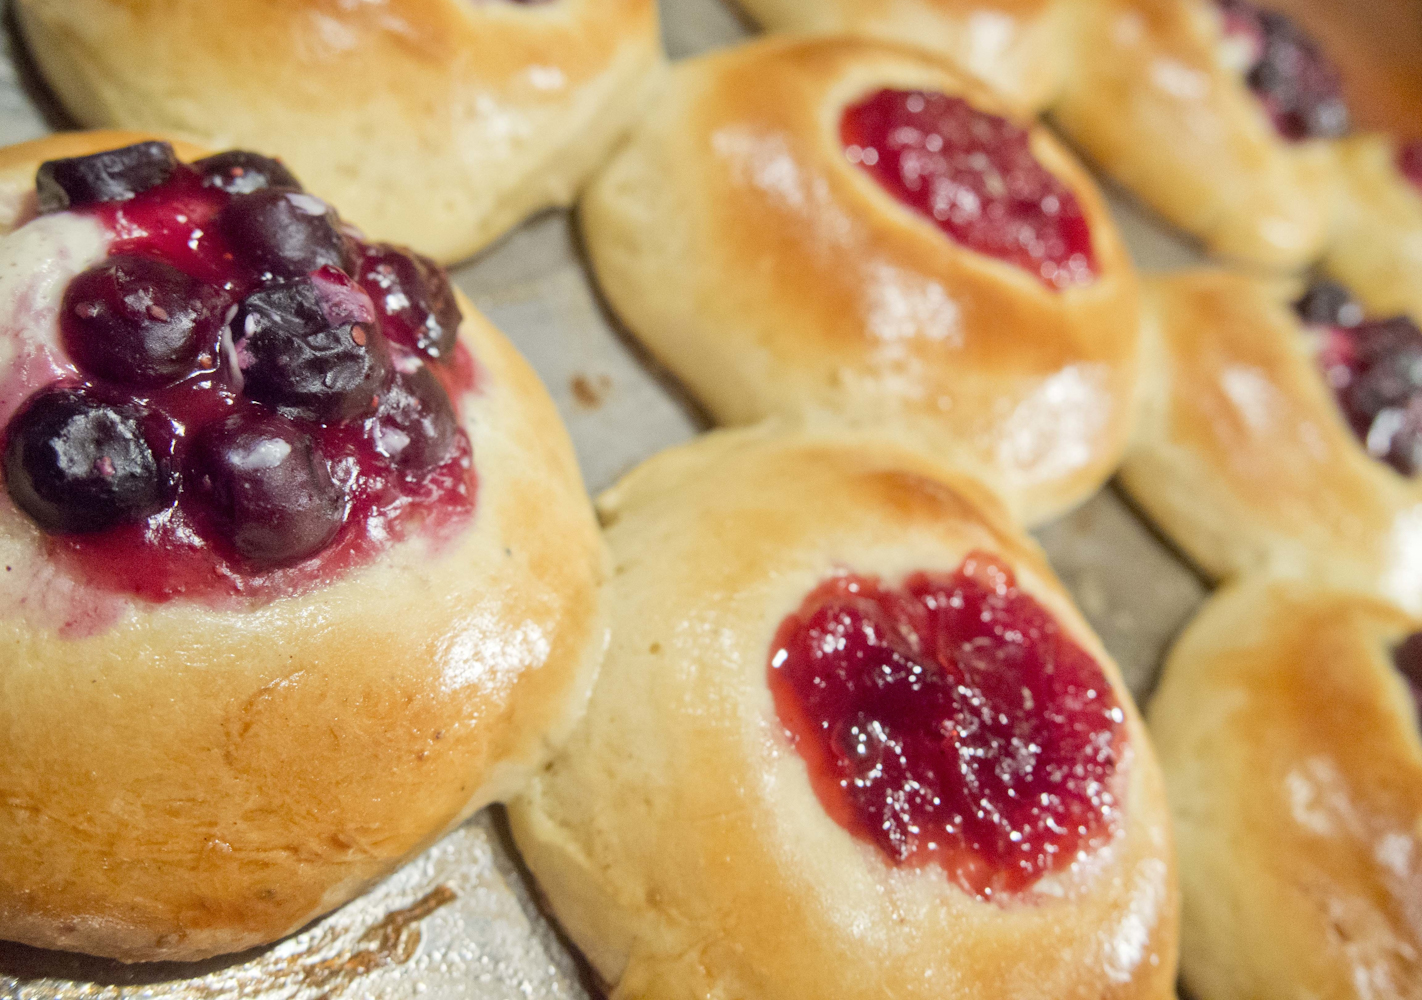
(239, 172)
(269, 491)
(140, 322)
(114, 175)
(1327, 303)
(1291, 76)
(284, 233)
(414, 296)
(294, 356)
(76, 464)
(415, 426)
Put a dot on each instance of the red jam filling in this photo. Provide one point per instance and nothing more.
(974, 175)
(951, 721)
(1409, 161)
(1374, 367)
(1301, 90)
(264, 401)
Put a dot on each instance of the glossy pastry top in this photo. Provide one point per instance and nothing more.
(845, 230)
(1291, 751)
(704, 834)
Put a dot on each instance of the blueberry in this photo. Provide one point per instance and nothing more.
(1292, 77)
(141, 322)
(1383, 399)
(1327, 303)
(414, 296)
(294, 356)
(240, 172)
(284, 233)
(114, 175)
(76, 464)
(266, 487)
(415, 426)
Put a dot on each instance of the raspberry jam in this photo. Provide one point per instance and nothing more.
(974, 175)
(950, 720)
(263, 401)
(1288, 72)
(1409, 161)
(1375, 370)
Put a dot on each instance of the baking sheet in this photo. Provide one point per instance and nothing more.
(460, 921)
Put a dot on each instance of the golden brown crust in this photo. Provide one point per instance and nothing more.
(435, 123)
(774, 277)
(190, 781)
(1377, 246)
(1294, 769)
(1155, 100)
(678, 837)
(1242, 454)
(1016, 47)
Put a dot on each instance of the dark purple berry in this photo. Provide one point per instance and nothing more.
(284, 233)
(268, 490)
(240, 172)
(295, 355)
(1375, 369)
(415, 426)
(1327, 303)
(414, 296)
(113, 175)
(1409, 161)
(76, 464)
(140, 322)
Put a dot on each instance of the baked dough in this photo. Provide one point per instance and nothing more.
(678, 837)
(1291, 756)
(773, 276)
(1377, 245)
(439, 124)
(1158, 100)
(1017, 47)
(1242, 454)
(179, 780)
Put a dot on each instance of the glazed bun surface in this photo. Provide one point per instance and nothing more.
(1158, 100)
(188, 778)
(680, 838)
(1242, 454)
(439, 124)
(1016, 47)
(1377, 247)
(773, 276)
(1291, 755)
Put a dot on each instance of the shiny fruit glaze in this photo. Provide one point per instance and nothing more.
(951, 721)
(1300, 88)
(282, 438)
(974, 175)
(1409, 161)
(1374, 368)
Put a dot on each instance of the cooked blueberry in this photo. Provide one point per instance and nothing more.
(267, 488)
(141, 322)
(415, 426)
(76, 464)
(240, 172)
(414, 296)
(285, 233)
(1298, 86)
(293, 356)
(113, 175)
(1327, 303)
(1380, 390)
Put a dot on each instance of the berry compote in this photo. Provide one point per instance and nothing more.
(1374, 367)
(950, 720)
(1409, 161)
(1299, 87)
(974, 175)
(262, 400)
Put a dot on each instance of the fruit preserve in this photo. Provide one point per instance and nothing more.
(975, 176)
(950, 720)
(258, 399)
(1409, 161)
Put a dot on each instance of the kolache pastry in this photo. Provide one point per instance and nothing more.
(851, 739)
(1286, 724)
(1217, 114)
(1377, 246)
(298, 568)
(434, 123)
(847, 232)
(1016, 47)
(1282, 432)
